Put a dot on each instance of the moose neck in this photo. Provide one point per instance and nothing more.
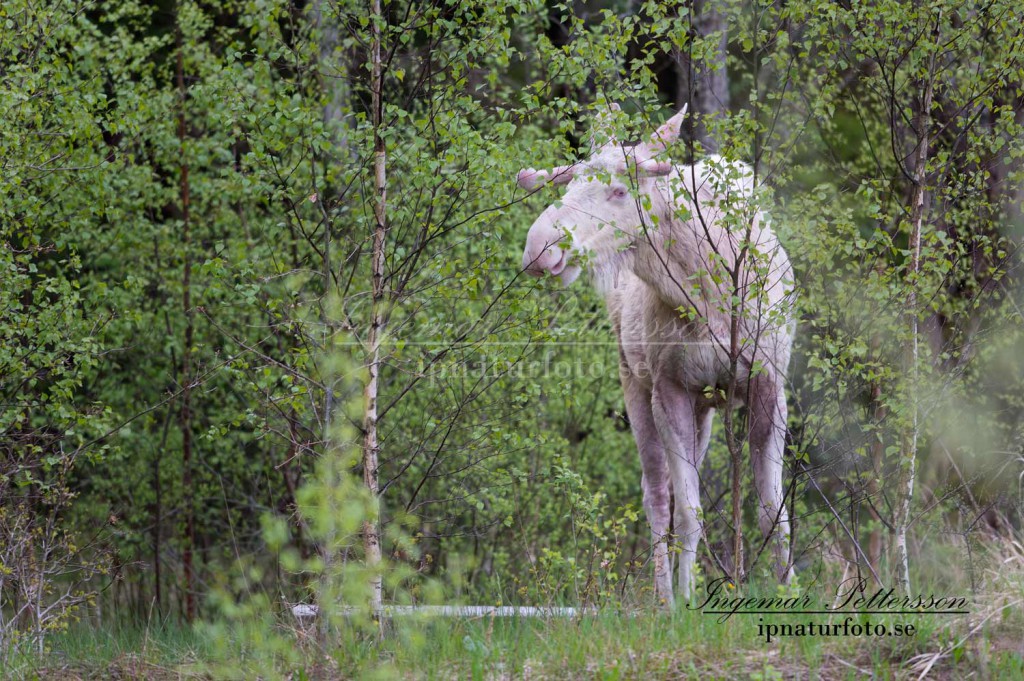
(685, 262)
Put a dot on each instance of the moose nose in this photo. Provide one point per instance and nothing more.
(542, 253)
(538, 261)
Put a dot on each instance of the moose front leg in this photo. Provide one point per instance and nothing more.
(766, 403)
(655, 483)
(685, 428)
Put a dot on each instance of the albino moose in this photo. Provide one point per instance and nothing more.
(699, 292)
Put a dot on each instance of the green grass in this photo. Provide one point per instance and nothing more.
(132, 649)
(639, 643)
(608, 646)
(659, 646)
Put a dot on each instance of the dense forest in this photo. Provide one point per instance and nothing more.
(265, 337)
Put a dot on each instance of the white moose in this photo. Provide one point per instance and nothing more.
(700, 293)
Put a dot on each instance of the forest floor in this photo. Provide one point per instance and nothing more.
(987, 644)
(979, 635)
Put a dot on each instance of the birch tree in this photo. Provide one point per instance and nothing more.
(371, 446)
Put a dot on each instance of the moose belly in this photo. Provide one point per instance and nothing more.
(657, 343)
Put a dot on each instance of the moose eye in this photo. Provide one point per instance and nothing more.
(619, 192)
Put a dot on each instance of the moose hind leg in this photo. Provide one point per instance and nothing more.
(684, 431)
(766, 403)
(655, 484)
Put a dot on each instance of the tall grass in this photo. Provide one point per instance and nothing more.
(624, 644)
(123, 648)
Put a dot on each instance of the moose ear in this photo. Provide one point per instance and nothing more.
(652, 168)
(667, 133)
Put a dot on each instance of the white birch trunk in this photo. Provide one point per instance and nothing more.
(908, 448)
(371, 446)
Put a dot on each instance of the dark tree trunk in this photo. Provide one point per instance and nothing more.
(704, 85)
(186, 355)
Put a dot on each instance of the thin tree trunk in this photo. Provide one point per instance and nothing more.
(157, 513)
(908, 448)
(877, 464)
(157, 525)
(736, 473)
(186, 357)
(703, 87)
(371, 445)
(733, 443)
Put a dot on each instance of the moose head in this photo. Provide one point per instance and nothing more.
(601, 212)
